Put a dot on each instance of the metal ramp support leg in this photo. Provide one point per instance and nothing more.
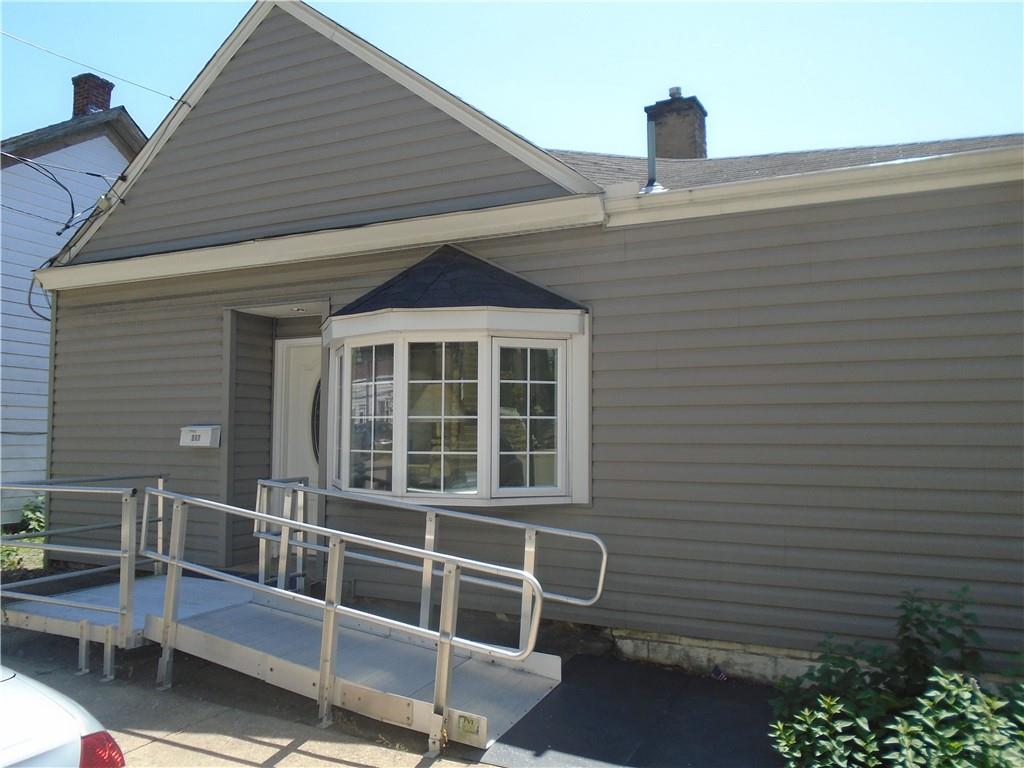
(165, 669)
(443, 676)
(83, 648)
(332, 593)
(108, 656)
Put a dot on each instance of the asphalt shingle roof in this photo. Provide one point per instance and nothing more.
(683, 174)
(450, 277)
(25, 141)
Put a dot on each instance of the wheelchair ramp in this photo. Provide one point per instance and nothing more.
(197, 596)
(380, 673)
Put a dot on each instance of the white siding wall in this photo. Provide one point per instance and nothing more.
(27, 241)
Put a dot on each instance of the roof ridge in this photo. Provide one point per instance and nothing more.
(911, 144)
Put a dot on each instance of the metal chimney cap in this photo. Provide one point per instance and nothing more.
(675, 92)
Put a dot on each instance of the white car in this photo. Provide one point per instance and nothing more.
(41, 727)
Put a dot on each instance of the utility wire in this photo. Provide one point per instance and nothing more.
(90, 67)
(33, 215)
(64, 168)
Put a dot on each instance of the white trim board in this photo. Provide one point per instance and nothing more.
(963, 169)
(613, 209)
(532, 156)
(502, 221)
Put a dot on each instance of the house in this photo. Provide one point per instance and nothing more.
(784, 389)
(52, 177)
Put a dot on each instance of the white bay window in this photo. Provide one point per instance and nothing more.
(475, 406)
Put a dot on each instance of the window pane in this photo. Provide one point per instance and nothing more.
(542, 434)
(384, 362)
(460, 360)
(425, 435)
(361, 434)
(359, 470)
(513, 399)
(513, 435)
(362, 364)
(424, 472)
(512, 471)
(459, 435)
(460, 399)
(513, 364)
(542, 399)
(361, 400)
(425, 361)
(382, 437)
(381, 476)
(460, 474)
(542, 470)
(542, 364)
(384, 400)
(424, 399)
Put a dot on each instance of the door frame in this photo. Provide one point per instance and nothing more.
(279, 419)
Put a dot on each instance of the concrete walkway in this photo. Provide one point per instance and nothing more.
(212, 716)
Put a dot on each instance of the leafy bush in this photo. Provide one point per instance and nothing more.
(955, 724)
(33, 518)
(873, 681)
(856, 696)
(826, 737)
(33, 515)
(952, 724)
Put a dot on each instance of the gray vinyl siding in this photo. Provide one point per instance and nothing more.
(796, 415)
(250, 425)
(296, 135)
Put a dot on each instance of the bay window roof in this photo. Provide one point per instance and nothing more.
(450, 277)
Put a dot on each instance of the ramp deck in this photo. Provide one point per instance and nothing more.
(380, 673)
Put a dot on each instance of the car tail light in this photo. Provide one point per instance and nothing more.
(99, 750)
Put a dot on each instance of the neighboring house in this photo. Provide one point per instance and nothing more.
(784, 390)
(36, 210)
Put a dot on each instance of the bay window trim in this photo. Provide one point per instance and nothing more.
(569, 328)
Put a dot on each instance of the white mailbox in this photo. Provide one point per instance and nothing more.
(201, 436)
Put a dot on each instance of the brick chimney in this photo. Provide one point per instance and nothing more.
(679, 126)
(92, 94)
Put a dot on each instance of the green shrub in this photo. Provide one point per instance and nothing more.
(826, 737)
(856, 696)
(954, 724)
(33, 518)
(873, 681)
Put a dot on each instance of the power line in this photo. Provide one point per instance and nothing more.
(63, 168)
(29, 213)
(92, 68)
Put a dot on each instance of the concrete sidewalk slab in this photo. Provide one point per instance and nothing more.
(212, 716)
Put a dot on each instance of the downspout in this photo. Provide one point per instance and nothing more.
(652, 162)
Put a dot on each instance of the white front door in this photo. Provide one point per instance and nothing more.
(296, 413)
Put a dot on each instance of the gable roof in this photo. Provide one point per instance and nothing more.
(297, 125)
(450, 277)
(116, 122)
(684, 174)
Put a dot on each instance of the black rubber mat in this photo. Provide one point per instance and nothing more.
(620, 713)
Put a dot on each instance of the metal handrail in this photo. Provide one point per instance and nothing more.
(125, 554)
(430, 537)
(445, 638)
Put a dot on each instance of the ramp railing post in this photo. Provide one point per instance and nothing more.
(443, 676)
(126, 583)
(429, 541)
(179, 519)
(300, 549)
(283, 548)
(529, 564)
(332, 595)
(260, 526)
(158, 567)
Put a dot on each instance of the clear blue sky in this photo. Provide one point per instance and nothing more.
(773, 77)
